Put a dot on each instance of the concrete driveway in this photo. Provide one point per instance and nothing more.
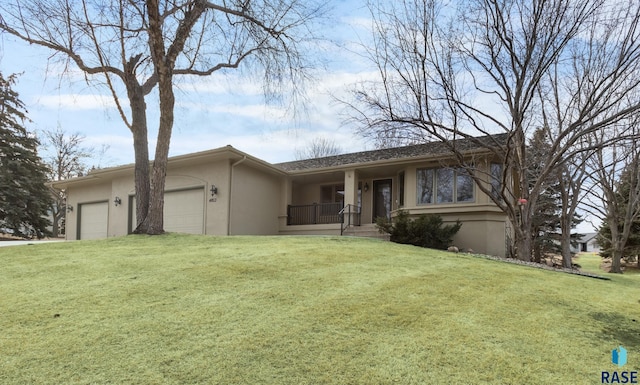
(32, 242)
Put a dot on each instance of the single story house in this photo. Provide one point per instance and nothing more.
(225, 191)
(588, 243)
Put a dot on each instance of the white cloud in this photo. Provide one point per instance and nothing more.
(362, 23)
(76, 101)
(221, 84)
(271, 146)
(256, 111)
(118, 150)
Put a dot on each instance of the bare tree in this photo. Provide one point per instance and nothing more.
(66, 158)
(615, 199)
(317, 148)
(480, 69)
(572, 189)
(585, 93)
(135, 47)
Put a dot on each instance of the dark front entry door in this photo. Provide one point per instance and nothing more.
(382, 198)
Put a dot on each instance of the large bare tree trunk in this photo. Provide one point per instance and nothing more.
(141, 177)
(524, 241)
(141, 153)
(571, 195)
(164, 62)
(156, 204)
(565, 240)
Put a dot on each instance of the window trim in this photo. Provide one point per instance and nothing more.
(401, 188)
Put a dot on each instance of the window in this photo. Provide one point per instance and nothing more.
(424, 182)
(464, 186)
(326, 194)
(496, 180)
(332, 193)
(444, 185)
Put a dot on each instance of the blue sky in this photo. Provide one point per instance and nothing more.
(210, 112)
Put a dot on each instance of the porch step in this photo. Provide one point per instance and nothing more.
(365, 231)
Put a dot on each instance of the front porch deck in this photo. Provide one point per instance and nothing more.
(323, 213)
(325, 217)
(314, 214)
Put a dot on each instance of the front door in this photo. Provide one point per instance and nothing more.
(382, 198)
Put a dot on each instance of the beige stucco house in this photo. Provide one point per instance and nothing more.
(228, 192)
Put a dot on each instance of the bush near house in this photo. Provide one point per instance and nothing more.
(427, 230)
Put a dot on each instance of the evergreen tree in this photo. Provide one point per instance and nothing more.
(546, 227)
(24, 198)
(545, 221)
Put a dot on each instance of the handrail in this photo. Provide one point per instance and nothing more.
(356, 217)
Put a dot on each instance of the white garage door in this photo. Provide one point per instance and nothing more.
(93, 220)
(183, 211)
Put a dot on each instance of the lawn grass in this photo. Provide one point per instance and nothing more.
(180, 309)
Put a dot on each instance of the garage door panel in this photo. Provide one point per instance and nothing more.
(94, 220)
(183, 211)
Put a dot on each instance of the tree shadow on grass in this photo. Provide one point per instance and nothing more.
(619, 327)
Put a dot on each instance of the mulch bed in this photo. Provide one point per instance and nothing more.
(543, 266)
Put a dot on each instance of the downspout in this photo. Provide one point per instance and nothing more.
(233, 165)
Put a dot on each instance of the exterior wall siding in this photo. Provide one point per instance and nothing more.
(481, 232)
(254, 204)
(123, 188)
(96, 192)
(178, 178)
(205, 175)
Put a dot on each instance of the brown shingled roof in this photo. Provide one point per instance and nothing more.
(413, 151)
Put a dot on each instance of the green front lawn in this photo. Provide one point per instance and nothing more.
(181, 309)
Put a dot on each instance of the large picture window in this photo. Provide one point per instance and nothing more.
(424, 181)
(464, 186)
(444, 185)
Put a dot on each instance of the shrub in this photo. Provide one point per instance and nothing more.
(427, 230)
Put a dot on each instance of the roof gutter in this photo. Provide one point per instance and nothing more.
(233, 165)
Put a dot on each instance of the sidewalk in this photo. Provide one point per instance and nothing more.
(31, 242)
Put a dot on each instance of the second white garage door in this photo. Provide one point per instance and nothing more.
(183, 211)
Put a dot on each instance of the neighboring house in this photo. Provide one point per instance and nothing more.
(587, 244)
(228, 192)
